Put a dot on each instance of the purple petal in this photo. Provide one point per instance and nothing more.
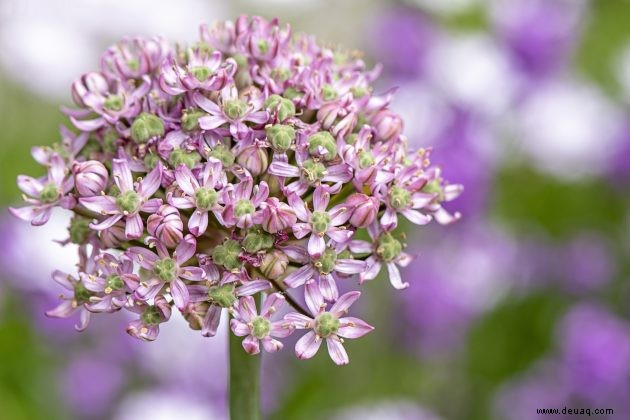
(344, 302)
(151, 206)
(394, 276)
(339, 235)
(328, 288)
(353, 327)
(198, 222)
(349, 266)
(416, 217)
(179, 293)
(186, 249)
(107, 223)
(299, 276)
(316, 245)
(299, 207)
(206, 104)
(29, 185)
(272, 303)
(337, 352)
(320, 199)
(298, 321)
(314, 299)
(185, 180)
(307, 346)
(271, 345)
(281, 329)
(143, 256)
(63, 279)
(252, 287)
(150, 184)
(283, 169)
(210, 122)
(101, 204)
(134, 227)
(192, 273)
(122, 175)
(251, 345)
(239, 328)
(211, 321)
(247, 308)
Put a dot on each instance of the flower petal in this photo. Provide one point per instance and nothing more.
(307, 346)
(351, 327)
(337, 352)
(344, 302)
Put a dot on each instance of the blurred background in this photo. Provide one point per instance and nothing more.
(522, 305)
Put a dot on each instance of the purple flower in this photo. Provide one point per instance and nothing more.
(45, 193)
(386, 250)
(232, 110)
(329, 325)
(276, 215)
(325, 270)
(220, 291)
(243, 202)
(259, 328)
(320, 222)
(147, 327)
(112, 285)
(202, 71)
(167, 270)
(200, 193)
(133, 198)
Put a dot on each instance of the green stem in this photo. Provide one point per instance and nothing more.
(244, 381)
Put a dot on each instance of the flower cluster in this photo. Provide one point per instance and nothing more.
(239, 169)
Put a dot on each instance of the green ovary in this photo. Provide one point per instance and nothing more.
(128, 202)
(388, 247)
(261, 327)
(326, 263)
(399, 197)
(223, 296)
(320, 221)
(151, 316)
(201, 73)
(234, 109)
(165, 269)
(50, 193)
(206, 198)
(313, 171)
(243, 208)
(326, 325)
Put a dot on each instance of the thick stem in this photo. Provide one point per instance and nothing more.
(244, 381)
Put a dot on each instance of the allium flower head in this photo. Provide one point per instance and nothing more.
(202, 176)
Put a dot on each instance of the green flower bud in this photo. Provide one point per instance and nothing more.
(151, 316)
(326, 263)
(323, 139)
(206, 198)
(399, 197)
(313, 171)
(263, 46)
(223, 154)
(261, 327)
(222, 296)
(280, 136)
(181, 156)
(190, 119)
(345, 255)
(320, 221)
(227, 255)
(388, 247)
(165, 269)
(352, 138)
(326, 324)
(243, 208)
(255, 241)
(50, 193)
(234, 109)
(145, 127)
(285, 107)
(114, 191)
(128, 202)
(282, 74)
(79, 229)
(114, 102)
